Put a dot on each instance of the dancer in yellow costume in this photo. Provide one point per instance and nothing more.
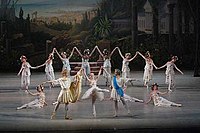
(70, 91)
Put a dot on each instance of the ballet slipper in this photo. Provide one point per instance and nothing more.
(67, 117)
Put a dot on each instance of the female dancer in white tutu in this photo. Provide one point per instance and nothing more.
(85, 59)
(117, 93)
(25, 72)
(170, 74)
(70, 91)
(106, 64)
(49, 68)
(125, 65)
(160, 101)
(65, 60)
(148, 69)
(37, 103)
(94, 92)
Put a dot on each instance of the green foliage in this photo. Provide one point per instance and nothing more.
(59, 26)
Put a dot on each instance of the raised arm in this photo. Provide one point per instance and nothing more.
(93, 51)
(58, 54)
(113, 51)
(178, 69)
(78, 51)
(120, 53)
(134, 56)
(141, 55)
(99, 51)
(71, 53)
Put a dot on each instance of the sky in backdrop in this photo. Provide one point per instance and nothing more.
(54, 7)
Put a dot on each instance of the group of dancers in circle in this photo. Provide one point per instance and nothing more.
(71, 86)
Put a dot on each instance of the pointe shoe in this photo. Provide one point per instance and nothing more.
(179, 105)
(67, 117)
(170, 90)
(53, 115)
(94, 115)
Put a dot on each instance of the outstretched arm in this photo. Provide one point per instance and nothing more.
(113, 51)
(99, 51)
(133, 57)
(162, 93)
(32, 94)
(120, 53)
(178, 69)
(163, 66)
(78, 51)
(71, 53)
(154, 65)
(141, 55)
(41, 65)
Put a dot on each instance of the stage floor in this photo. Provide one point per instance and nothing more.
(143, 118)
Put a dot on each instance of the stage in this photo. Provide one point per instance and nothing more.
(143, 117)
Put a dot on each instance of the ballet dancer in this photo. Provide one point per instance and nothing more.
(85, 59)
(37, 103)
(148, 69)
(170, 74)
(94, 92)
(70, 91)
(65, 60)
(125, 65)
(117, 93)
(106, 64)
(25, 73)
(49, 68)
(158, 100)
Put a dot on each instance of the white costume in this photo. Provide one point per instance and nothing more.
(170, 74)
(160, 101)
(94, 91)
(148, 71)
(107, 67)
(25, 74)
(37, 103)
(49, 71)
(66, 64)
(125, 69)
(86, 66)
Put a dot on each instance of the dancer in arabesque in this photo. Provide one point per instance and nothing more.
(158, 100)
(94, 92)
(170, 74)
(117, 93)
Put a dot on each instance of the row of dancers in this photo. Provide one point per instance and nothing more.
(148, 69)
(71, 87)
